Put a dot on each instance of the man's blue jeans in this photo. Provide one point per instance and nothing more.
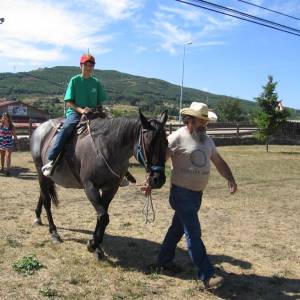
(70, 123)
(186, 204)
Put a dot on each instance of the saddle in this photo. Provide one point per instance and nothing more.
(80, 128)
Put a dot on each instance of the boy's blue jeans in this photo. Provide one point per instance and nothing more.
(70, 123)
(186, 204)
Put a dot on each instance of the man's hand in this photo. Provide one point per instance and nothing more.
(232, 186)
(145, 188)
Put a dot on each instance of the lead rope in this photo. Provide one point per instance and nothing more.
(148, 209)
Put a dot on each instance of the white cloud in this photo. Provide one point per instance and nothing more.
(176, 25)
(171, 35)
(120, 9)
(43, 29)
(141, 49)
(189, 15)
(18, 50)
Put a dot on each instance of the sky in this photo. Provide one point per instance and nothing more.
(149, 38)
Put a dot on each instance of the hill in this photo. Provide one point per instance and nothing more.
(45, 89)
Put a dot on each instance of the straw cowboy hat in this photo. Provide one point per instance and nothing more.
(200, 111)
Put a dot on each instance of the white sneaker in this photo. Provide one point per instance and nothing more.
(47, 169)
(124, 182)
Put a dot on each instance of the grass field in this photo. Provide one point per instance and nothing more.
(253, 237)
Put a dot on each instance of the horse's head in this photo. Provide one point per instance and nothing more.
(151, 149)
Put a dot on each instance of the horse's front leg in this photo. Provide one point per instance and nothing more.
(101, 206)
(38, 211)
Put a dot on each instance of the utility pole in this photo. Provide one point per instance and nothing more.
(182, 76)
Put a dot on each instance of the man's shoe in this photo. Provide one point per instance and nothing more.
(124, 182)
(47, 169)
(213, 282)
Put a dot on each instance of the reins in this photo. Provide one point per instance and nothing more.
(141, 156)
(99, 151)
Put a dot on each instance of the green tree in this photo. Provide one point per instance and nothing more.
(269, 118)
(229, 110)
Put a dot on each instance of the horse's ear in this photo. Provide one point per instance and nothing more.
(164, 117)
(144, 121)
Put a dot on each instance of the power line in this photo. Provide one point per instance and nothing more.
(268, 9)
(237, 17)
(246, 15)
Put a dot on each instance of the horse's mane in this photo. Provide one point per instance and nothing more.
(120, 130)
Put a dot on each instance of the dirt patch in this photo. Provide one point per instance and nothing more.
(252, 237)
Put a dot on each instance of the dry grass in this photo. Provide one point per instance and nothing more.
(252, 237)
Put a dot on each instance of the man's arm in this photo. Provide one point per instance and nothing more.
(225, 171)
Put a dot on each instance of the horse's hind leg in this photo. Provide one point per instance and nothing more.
(48, 193)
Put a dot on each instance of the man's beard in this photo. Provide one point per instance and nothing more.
(199, 135)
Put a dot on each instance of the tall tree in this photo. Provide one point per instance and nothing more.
(271, 115)
(229, 110)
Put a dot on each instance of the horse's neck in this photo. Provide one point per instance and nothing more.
(129, 133)
(121, 134)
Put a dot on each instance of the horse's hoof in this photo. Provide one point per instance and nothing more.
(90, 247)
(56, 238)
(38, 221)
(99, 254)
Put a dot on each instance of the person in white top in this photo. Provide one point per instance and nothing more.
(191, 151)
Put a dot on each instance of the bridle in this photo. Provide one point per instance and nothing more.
(141, 155)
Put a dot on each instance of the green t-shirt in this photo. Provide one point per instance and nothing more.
(84, 92)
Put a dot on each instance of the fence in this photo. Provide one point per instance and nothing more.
(216, 129)
(224, 133)
(25, 129)
(290, 129)
(222, 128)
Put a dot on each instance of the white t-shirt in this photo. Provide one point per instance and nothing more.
(190, 159)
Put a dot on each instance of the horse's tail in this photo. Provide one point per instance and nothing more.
(48, 187)
(53, 194)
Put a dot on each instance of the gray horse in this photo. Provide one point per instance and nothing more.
(96, 161)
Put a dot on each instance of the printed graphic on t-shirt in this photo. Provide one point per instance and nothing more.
(198, 158)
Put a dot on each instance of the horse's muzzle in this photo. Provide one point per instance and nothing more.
(157, 180)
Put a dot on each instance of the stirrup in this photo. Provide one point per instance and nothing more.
(47, 169)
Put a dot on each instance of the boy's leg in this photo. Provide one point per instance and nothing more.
(61, 138)
(63, 135)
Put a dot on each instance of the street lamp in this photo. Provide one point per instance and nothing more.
(1, 20)
(181, 90)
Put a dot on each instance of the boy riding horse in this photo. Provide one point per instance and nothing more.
(84, 92)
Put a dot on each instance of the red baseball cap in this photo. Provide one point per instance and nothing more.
(87, 57)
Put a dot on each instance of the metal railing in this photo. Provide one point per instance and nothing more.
(222, 128)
